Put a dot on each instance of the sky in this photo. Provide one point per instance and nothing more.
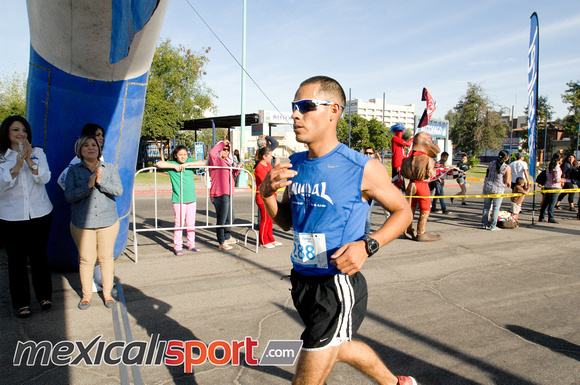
(371, 47)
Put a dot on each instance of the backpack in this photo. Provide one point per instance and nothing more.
(542, 178)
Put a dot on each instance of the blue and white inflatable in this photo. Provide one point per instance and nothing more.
(89, 63)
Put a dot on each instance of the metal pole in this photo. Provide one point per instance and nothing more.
(243, 112)
(349, 116)
(545, 138)
(511, 130)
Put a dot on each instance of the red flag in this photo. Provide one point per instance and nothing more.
(431, 106)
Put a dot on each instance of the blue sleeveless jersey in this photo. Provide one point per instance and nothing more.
(326, 204)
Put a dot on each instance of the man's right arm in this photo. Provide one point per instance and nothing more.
(278, 177)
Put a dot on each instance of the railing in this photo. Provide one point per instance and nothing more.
(207, 181)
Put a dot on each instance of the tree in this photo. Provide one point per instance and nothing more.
(364, 133)
(545, 112)
(12, 94)
(572, 96)
(475, 123)
(175, 91)
(359, 137)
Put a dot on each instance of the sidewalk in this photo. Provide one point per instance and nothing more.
(478, 307)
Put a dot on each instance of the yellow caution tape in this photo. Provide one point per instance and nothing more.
(568, 190)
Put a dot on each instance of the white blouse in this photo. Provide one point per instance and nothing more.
(24, 197)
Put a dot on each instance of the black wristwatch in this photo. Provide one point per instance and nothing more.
(372, 245)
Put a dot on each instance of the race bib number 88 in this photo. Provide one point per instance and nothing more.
(310, 250)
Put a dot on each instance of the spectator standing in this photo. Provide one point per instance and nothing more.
(519, 168)
(89, 129)
(25, 214)
(221, 192)
(463, 166)
(183, 198)
(398, 145)
(370, 152)
(553, 182)
(91, 187)
(439, 184)
(568, 166)
(266, 238)
(497, 178)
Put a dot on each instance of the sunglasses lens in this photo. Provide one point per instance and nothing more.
(304, 106)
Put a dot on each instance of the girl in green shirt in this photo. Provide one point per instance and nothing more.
(183, 198)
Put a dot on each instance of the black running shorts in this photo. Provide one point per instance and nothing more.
(332, 307)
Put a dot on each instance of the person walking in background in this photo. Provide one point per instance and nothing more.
(266, 232)
(91, 188)
(553, 182)
(25, 214)
(398, 145)
(439, 184)
(568, 166)
(183, 197)
(519, 168)
(463, 166)
(89, 129)
(497, 178)
(221, 192)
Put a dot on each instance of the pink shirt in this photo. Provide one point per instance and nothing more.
(554, 178)
(222, 180)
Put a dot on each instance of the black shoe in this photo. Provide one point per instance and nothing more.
(451, 199)
(552, 220)
(446, 212)
(464, 204)
(541, 219)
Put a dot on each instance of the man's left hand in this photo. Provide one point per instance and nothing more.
(350, 257)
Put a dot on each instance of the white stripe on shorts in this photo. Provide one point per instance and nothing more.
(346, 296)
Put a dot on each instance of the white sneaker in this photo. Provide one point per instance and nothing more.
(276, 243)
(225, 247)
(269, 245)
(231, 241)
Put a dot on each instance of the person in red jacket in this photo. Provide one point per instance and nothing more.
(398, 146)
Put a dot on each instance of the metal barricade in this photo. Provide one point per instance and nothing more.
(207, 181)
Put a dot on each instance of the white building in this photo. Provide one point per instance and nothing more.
(391, 114)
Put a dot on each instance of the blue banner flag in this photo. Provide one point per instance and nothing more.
(533, 61)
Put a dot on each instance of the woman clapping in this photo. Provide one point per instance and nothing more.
(91, 188)
(25, 214)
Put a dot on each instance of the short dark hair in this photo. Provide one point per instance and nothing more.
(91, 129)
(520, 179)
(176, 150)
(262, 152)
(329, 86)
(370, 148)
(6, 123)
(444, 153)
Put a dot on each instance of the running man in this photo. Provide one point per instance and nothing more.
(325, 201)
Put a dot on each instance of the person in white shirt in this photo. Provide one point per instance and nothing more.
(519, 169)
(25, 214)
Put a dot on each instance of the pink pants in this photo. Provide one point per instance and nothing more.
(189, 211)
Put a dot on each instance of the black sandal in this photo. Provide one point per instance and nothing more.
(45, 304)
(23, 312)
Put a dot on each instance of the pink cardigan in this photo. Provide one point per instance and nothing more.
(554, 179)
(220, 178)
